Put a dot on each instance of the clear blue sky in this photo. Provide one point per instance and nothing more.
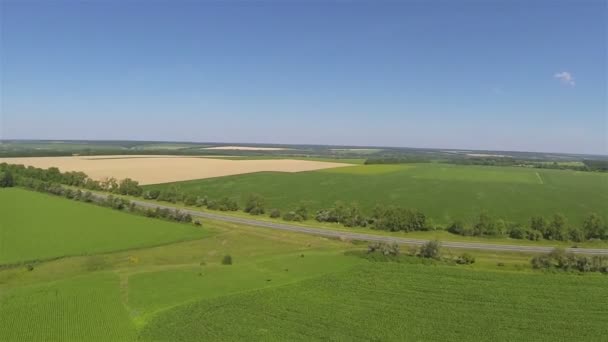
(508, 75)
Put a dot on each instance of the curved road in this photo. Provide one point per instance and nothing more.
(367, 237)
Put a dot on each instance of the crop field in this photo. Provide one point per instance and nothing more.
(78, 309)
(443, 192)
(162, 169)
(395, 302)
(281, 286)
(39, 226)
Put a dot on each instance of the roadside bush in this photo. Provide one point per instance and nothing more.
(169, 195)
(559, 259)
(348, 215)
(275, 213)
(302, 211)
(130, 187)
(292, 216)
(465, 259)
(394, 218)
(254, 204)
(87, 197)
(151, 195)
(430, 250)
(227, 260)
(384, 248)
(201, 201)
(224, 204)
(190, 200)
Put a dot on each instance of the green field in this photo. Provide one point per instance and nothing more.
(78, 309)
(395, 302)
(441, 191)
(281, 286)
(39, 226)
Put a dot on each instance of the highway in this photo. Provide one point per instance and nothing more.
(326, 232)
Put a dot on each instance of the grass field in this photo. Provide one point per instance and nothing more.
(39, 226)
(281, 286)
(394, 302)
(443, 192)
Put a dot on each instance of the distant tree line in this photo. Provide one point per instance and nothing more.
(588, 165)
(396, 160)
(559, 259)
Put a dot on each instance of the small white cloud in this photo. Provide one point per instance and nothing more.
(565, 78)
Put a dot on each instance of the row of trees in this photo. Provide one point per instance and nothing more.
(557, 228)
(109, 201)
(588, 165)
(389, 218)
(559, 259)
(72, 178)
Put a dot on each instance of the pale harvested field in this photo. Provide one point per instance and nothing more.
(245, 148)
(164, 169)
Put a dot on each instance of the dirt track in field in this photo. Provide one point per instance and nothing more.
(165, 169)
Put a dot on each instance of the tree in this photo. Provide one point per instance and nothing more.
(6, 179)
(484, 226)
(594, 227)
(557, 228)
(275, 213)
(130, 187)
(302, 211)
(539, 223)
(254, 204)
(190, 200)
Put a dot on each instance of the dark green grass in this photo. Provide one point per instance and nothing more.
(40, 226)
(396, 302)
(443, 192)
(80, 309)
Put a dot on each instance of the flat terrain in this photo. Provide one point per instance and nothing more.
(395, 302)
(162, 169)
(40, 226)
(281, 286)
(443, 192)
(245, 148)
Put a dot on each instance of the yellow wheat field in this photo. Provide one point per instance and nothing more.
(164, 169)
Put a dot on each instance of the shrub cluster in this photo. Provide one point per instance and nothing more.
(348, 215)
(559, 259)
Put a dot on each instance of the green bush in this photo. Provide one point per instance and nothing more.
(275, 213)
(465, 259)
(430, 250)
(227, 260)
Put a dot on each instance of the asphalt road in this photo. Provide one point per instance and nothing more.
(326, 232)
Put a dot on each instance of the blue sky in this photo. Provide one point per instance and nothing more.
(507, 75)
